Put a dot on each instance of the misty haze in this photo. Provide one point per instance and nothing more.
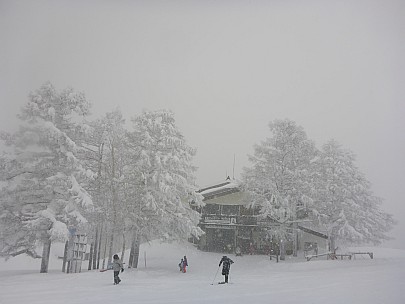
(202, 151)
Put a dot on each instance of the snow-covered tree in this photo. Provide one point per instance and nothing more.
(113, 175)
(43, 187)
(164, 179)
(106, 154)
(15, 238)
(279, 180)
(92, 156)
(346, 205)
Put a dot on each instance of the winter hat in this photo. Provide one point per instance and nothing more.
(115, 257)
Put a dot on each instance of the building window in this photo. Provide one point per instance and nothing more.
(230, 210)
(211, 209)
(246, 211)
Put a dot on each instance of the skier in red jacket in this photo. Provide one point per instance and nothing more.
(185, 264)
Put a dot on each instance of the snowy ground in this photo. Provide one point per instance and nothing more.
(254, 279)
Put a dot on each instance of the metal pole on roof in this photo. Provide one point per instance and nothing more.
(233, 170)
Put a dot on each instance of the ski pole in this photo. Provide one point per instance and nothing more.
(215, 275)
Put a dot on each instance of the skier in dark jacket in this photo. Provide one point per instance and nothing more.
(226, 266)
(117, 266)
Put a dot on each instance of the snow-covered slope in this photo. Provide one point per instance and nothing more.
(254, 279)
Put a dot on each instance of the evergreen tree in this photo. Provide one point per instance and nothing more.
(345, 205)
(279, 181)
(44, 184)
(113, 174)
(106, 154)
(291, 180)
(164, 179)
(15, 238)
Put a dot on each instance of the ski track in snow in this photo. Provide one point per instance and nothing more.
(253, 279)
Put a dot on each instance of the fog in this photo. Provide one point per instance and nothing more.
(226, 69)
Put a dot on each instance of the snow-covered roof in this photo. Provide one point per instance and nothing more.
(313, 232)
(220, 189)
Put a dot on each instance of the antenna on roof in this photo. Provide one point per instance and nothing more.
(233, 170)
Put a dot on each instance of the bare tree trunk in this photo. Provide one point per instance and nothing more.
(114, 204)
(95, 250)
(110, 249)
(131, 255)
(332, 244)
(134, 253)
(282, 250)
(105, 248)
(295, 238)
(91, 255)
(45, 255)
(123, 247)
(99, 248)
(65, 252)
(131, 252)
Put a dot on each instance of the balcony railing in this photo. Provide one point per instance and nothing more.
(242, 220)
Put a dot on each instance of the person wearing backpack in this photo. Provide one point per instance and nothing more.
(185, 264)
(117, 266)
(226, 266)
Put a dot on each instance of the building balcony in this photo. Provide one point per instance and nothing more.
(237, 220)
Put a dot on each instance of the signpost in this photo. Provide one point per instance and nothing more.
(75, 250)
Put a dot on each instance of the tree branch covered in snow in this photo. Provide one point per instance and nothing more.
(42, 189)
(288, 175)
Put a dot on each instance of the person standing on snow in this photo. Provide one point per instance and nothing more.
(251, 249)
(185, 264)
(117, 266)
(226, 266)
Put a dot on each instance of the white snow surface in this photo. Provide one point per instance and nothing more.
(253, 279)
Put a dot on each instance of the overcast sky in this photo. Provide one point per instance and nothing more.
(226, 69)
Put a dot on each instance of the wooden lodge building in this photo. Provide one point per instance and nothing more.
(228, 223)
